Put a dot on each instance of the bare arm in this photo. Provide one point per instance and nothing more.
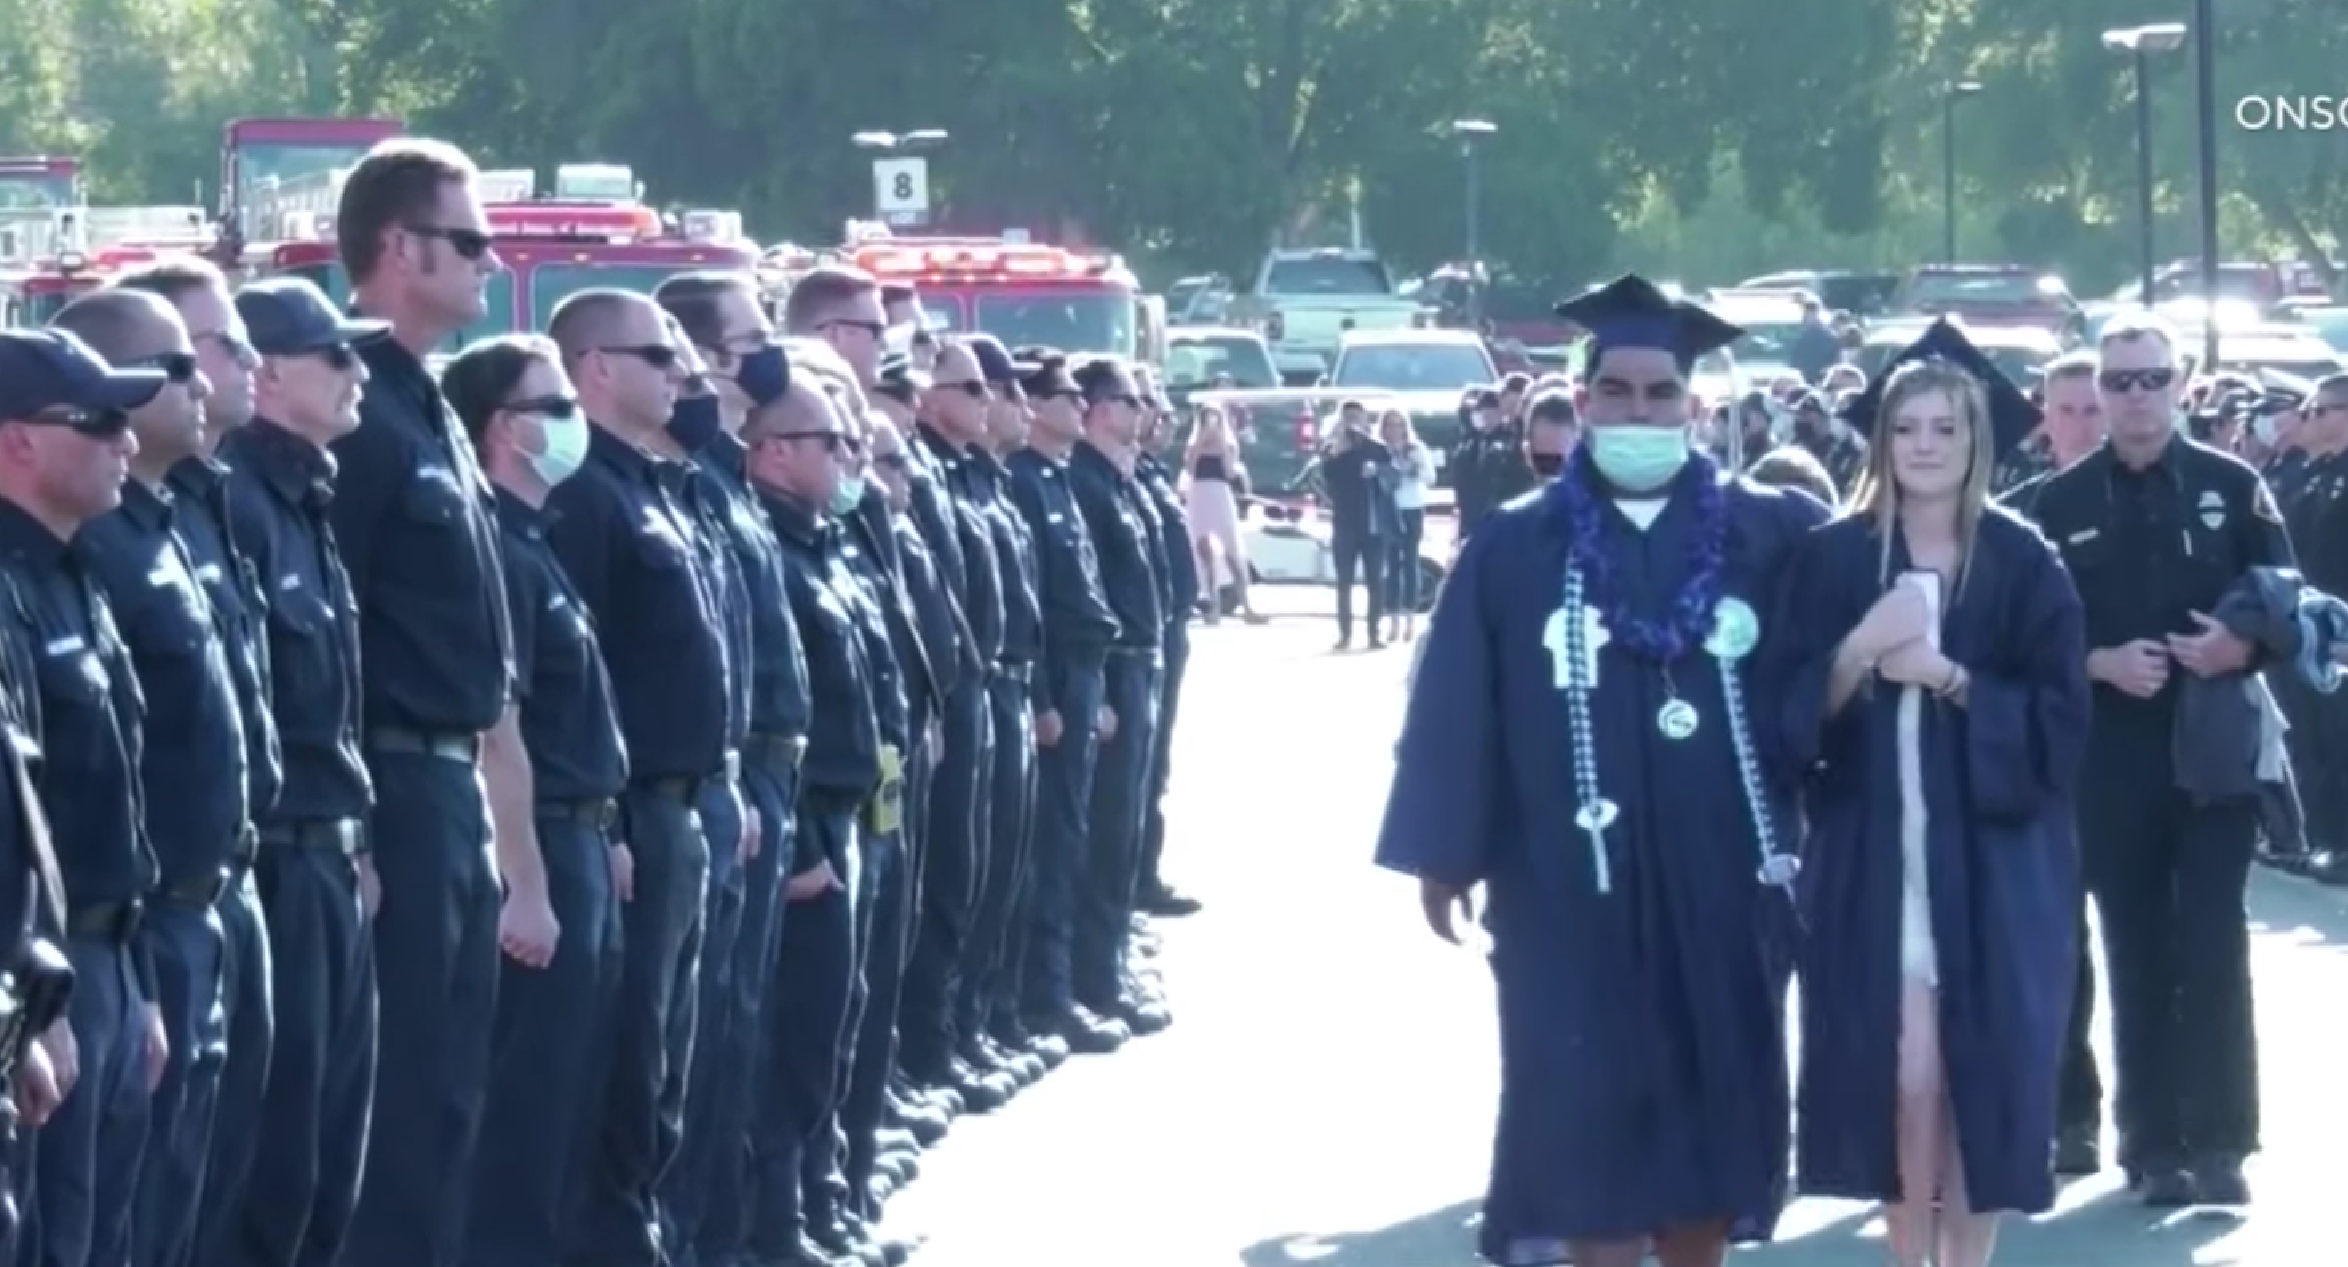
(505, 772)
(1852, 664)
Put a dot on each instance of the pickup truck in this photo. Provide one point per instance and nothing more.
(1306, 300)
(1992, 295)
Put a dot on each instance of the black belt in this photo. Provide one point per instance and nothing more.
(113, 921)
(452, 745)
(1012, 671)
(783, 752)
(346, 836)
(596, 814)
(201, 893)
(1133, 653)
(684, 789)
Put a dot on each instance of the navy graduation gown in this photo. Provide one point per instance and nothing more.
(1641, 1029)
(1998, 781)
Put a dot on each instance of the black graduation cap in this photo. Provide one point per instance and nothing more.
(1629, 312)
(2011, 415)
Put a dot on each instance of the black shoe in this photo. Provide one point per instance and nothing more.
(889, 1140)
(1021, 1065)
(982, 1092)
(2219, 1181)
(2076, 1153)
(1090, 1035)
(1143, 1014)
(1051, 1049)
(1377, 643)
(979, 1059)
(2166, 1189)
(879, 1189)
(926, 1125)
(1167, 903)
(1046, 1051)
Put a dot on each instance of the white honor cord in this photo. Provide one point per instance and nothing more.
(1595, 813)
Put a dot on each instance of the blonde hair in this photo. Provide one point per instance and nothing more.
(1410, 434)
(1878, 493)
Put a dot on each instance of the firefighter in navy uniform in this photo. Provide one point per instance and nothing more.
(2154, 529)
(1183, 592)
(2317, 515)
(1079, 627)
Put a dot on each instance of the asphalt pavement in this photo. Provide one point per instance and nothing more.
(1327, 1092)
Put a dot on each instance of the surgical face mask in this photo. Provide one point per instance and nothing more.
(847, 495)
(695, 422)
(1638, 458)
(764, 375)
(562, 447)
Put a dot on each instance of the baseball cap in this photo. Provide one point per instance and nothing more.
(995, 364)
(287, 316)
(51, 376)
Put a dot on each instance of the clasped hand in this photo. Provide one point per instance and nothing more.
(1892, 637)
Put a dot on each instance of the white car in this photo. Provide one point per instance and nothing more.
(1289, 545)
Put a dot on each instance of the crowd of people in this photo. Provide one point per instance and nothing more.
(612, 798)
(1681, 731)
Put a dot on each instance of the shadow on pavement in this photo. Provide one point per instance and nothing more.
(2298, 910)
(2110, 1231)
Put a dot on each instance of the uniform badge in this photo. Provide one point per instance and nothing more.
(2213, 509)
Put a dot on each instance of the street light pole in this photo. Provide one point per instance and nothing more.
(1471, 132)
(2140, 43)
(1948, 166)
(2205, 74)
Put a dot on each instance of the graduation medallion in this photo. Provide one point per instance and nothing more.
(1677, 719)
(1780, 870)
(1735, 630)
(1596, 816)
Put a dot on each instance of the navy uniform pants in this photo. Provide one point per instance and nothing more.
(1153, 825)
(990, 978)
(436, 969)
(314, 1121)
(650, 1035)
(85, 1161)
(1110, 869)
(823, 1176)
(236, 1118)
(888, 896)
(953, 875)
(544, 1055)
(1061, 838)
(2168, 878)
(713, 1088)
(808, 1014)
(772, 789)
(185, 943)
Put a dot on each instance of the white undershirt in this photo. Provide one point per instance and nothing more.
(1642, 511)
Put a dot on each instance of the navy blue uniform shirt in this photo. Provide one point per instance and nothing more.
(200, 496)
(1078, 624)
(630, 545)
(891, 639)
(82, 713)
(569, 724)
(843, 748)
(279, 489)
(981, 592)
(779, 689)
(413, 517)
(192, 766)
(1124, 539)
(1179, 580)
(1023, 618)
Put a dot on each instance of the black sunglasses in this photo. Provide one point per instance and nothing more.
(659, 356)
(470, 244)
(97, 424)
(178, 367)
(555, 407)
(2151, 380)
(338, 356)
(876, 329)
(832, 441)
(975, 389)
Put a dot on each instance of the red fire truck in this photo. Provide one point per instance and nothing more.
(591, 233)
(1024, 294)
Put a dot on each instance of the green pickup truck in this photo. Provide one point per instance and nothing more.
(1305, 302)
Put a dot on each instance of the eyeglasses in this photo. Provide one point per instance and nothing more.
(876, 329)
(832, 441)
(893, 462)
(2151, 380)
(470, 244)
(555, 407)
(178, 367)
(338, 356)
(976, 389)
(659, 356)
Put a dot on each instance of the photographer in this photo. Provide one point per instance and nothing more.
(1357, 475)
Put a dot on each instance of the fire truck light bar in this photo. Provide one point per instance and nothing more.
(574, 222)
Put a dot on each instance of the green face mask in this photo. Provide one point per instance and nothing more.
(1638, 458)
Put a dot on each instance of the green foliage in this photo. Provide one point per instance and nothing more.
(1705, 139)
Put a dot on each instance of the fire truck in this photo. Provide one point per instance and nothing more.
(1078, 301)
(260, 158)
(591, 232)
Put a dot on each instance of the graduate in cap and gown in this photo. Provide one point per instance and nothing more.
(1928, 679)
(1580, 745)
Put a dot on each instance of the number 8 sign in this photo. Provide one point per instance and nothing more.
(900, 186)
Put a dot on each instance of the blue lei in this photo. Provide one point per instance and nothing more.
(1688, 622)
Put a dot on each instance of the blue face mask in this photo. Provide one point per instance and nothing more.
(563, 447)
(848, 495)
(764, 375)
(695, 422)
(1638, 458)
